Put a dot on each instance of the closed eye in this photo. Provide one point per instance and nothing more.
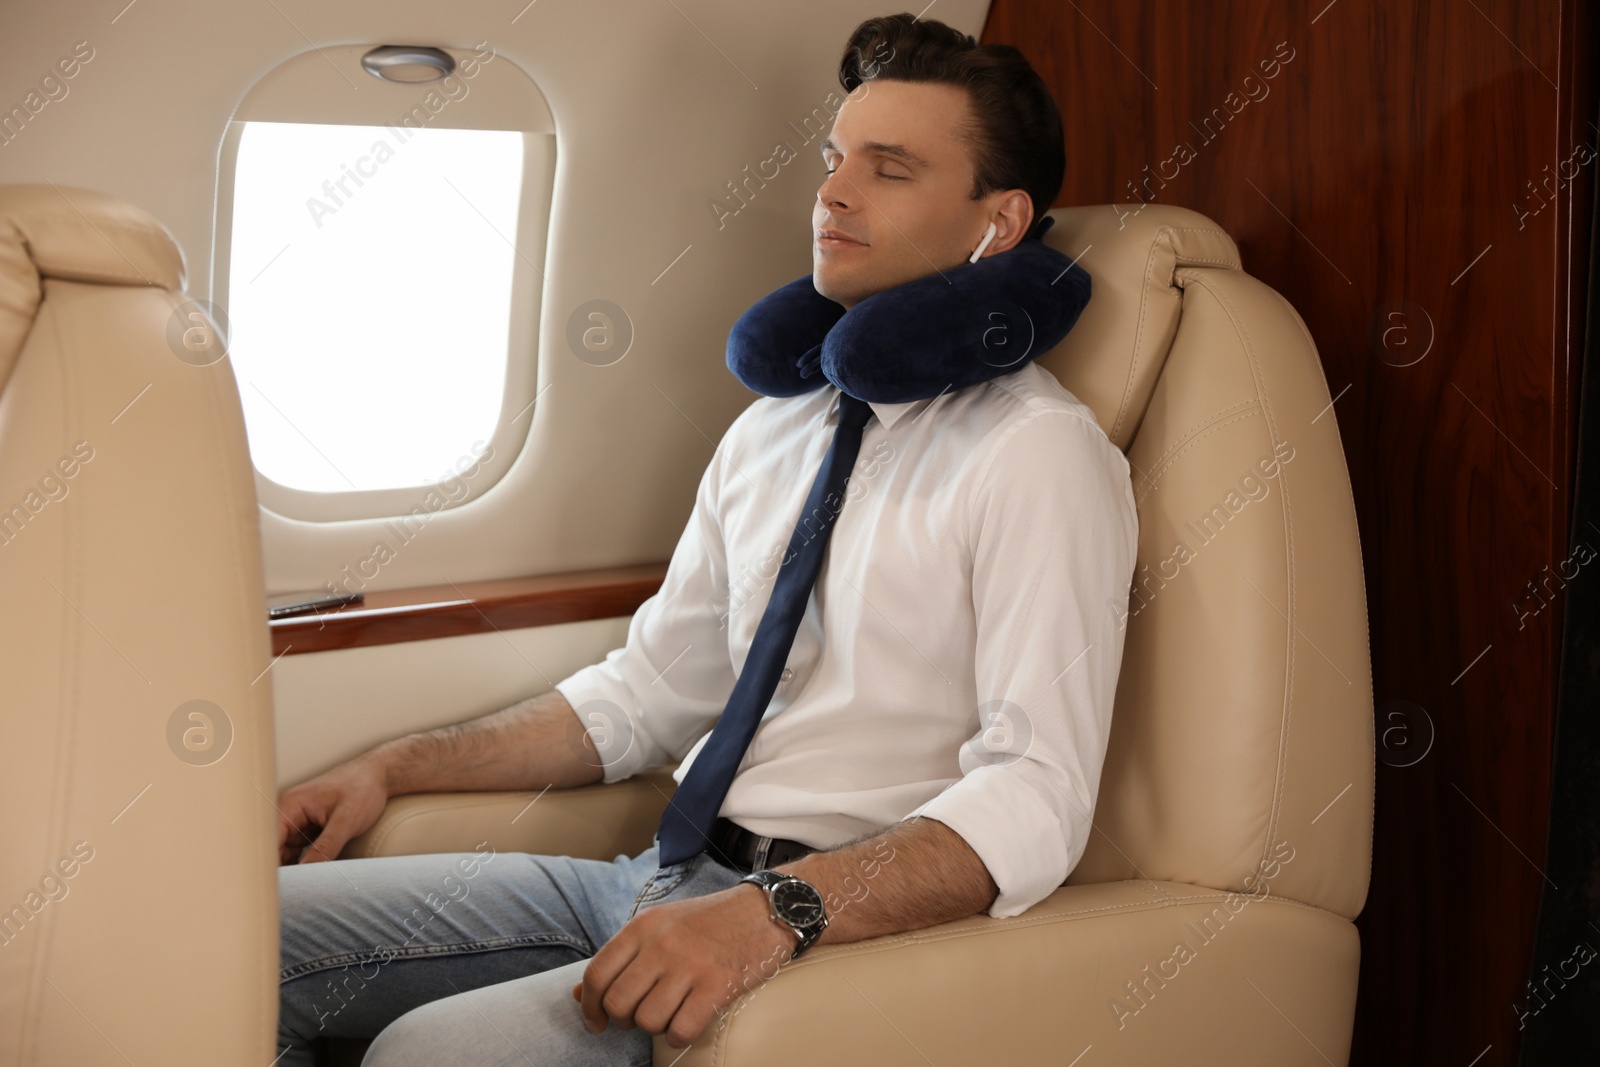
(891, 177)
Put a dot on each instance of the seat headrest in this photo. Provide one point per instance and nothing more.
(56, 231)
(1115, 353)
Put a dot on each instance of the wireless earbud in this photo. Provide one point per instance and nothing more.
(993, 229)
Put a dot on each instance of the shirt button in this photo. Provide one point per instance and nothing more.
(787, 674)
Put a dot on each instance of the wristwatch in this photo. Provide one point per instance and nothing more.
(795, 903)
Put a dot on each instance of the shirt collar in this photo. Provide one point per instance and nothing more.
(888, 414)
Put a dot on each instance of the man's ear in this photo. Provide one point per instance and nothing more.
(1014, 217)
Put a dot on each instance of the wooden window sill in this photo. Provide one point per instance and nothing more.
(390, 616)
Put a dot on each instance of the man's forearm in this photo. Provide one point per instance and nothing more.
(916, 873)
(532, 744)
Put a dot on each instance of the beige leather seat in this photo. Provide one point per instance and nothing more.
(1210, 919)
(138, 896)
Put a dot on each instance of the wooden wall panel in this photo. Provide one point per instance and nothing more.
(1386, 179)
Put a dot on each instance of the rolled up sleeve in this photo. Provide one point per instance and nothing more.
(650, 700)
(1053, 534)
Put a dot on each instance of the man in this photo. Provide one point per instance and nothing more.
(934, 747)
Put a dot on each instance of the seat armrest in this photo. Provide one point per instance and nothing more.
(590, 822)
(1092, 965)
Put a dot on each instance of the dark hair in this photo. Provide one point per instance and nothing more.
(1015, 140)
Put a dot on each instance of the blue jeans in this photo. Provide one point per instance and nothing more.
(463, 958)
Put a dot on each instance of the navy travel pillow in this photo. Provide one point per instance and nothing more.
(938, 333)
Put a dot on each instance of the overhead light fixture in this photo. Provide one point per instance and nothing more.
(408, 63)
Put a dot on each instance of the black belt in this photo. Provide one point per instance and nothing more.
(738, 849)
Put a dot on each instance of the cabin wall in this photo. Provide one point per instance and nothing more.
(1380, 165)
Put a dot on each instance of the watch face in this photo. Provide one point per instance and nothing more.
(798, 903)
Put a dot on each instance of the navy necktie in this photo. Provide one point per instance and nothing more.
(687, 821)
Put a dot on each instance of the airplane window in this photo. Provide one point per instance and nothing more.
(369, 298)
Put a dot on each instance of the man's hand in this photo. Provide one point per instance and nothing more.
(674, 966)
(341, 803)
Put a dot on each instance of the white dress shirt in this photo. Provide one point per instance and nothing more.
(958, 657)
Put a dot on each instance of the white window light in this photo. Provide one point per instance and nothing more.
(369, 296)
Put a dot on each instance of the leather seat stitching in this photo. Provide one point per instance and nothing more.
(1144, 307)
(1206, 421)
(1150, 481)
(1274, 816)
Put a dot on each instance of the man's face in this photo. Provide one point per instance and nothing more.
(899, 187)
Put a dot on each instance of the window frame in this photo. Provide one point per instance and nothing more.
(297, 91)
